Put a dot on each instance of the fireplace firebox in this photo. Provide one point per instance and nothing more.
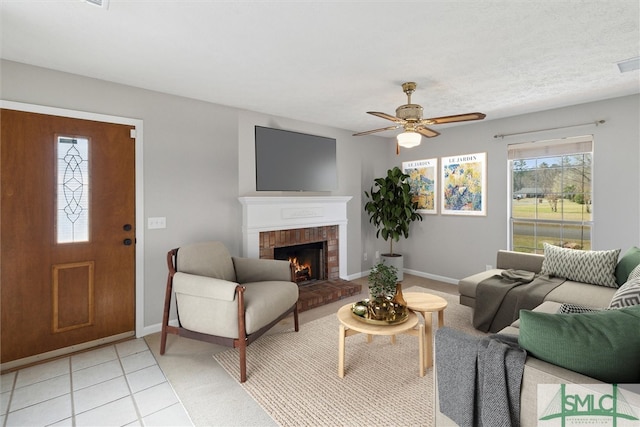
(309, 261)
(326, 236)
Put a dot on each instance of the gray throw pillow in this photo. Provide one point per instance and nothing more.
(594, 267)
(627, 295)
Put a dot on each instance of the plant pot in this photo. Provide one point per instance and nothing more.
(395, 260)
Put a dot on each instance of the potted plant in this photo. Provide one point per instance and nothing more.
(386, 301)
(383, 279)
(391, 210)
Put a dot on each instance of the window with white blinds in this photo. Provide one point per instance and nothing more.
(551, 194)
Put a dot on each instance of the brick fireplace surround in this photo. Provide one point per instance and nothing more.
(270, 222)
(324, 291)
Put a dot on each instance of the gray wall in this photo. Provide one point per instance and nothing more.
(454, 246)
(350, 161)
(198, 159)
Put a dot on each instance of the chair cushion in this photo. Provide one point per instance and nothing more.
(266, 301)
(203, 286)
(208, 315)
(258, 270)
(209, 259)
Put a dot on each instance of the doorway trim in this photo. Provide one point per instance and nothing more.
(139, 184)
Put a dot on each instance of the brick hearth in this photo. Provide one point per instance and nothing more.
(324, 291)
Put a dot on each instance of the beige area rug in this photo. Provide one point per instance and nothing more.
(294, 376)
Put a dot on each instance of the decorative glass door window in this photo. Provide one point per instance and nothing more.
(72, 189)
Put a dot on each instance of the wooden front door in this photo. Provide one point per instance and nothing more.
(67, 233)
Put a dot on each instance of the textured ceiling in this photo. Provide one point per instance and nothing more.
(329, 62)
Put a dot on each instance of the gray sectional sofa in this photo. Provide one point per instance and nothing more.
(537, 371)
(568, 292)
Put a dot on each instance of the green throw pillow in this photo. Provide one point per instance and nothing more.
(604, 345)
(629, 261)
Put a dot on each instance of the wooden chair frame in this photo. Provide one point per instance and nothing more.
(243, 339)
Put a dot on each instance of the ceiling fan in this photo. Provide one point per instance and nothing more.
(409, 117)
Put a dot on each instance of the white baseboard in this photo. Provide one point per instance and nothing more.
(152, 329)
(357, 275)
(408, 271)
(432, 276)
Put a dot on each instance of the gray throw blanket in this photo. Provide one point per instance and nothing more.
(479, 378)
(500, 298)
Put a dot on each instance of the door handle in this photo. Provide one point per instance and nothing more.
(127, 242)
(126, 227)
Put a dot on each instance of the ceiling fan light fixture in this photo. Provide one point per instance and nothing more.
(409, 139)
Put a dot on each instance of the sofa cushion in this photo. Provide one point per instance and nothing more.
(627, 295)
(594, 267)
(582, 293)
(468, 286)
(635, 273)
(604, 345)
(629, 261)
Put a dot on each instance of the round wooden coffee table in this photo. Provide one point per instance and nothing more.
(427, 304)
(349, 325)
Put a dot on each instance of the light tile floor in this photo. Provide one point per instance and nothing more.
(116, 385)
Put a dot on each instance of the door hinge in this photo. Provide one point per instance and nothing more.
(133, 133)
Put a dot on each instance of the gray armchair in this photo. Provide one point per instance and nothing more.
(226, 300)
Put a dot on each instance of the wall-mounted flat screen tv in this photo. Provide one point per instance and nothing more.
(293, 161)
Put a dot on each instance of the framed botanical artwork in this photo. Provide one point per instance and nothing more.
(464, 184)
(423, 179)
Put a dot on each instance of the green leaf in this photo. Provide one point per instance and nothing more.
(390, 208)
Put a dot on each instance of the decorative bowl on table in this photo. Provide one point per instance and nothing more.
(380, 311)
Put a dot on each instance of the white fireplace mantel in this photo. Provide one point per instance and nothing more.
(282, 213)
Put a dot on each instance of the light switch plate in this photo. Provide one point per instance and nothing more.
(156, 222)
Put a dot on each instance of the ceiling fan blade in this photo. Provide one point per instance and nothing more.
(386, 116)
(376, 130)
(429, 133)
(453, 119)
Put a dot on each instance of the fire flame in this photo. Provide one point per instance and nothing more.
(300, 267)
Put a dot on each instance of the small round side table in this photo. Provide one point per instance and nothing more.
(349, 325)
(427, 304)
